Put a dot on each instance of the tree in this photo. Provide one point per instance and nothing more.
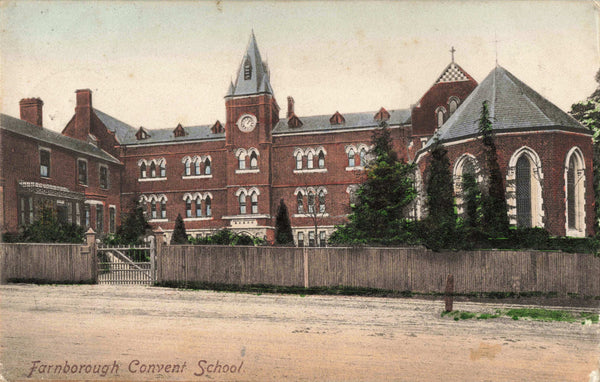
(283, 226)
(441, 219)
(588, 113)
(179, 235)
(471, 200)
(494, 218)
(379, 214)
(133, 226)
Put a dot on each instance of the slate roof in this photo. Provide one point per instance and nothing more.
(50, 137)
(193, 133)
(317, 123)
(513, 106)
(259, 81)
(123, 131)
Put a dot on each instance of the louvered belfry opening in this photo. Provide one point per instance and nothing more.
(247, 69)
(523, 193)
(571, 197)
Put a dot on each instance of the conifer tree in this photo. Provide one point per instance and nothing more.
(179, 234)
(133, 226)
(471, 200)
(283, 226)
(494, 210)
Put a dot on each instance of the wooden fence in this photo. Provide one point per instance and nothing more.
(414, 269)
(60, 263)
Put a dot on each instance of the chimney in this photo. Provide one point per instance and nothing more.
(31, 110)
(290, 110)
(82, 125)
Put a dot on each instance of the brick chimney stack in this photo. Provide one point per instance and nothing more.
(31, 111)
(82, 123)
(290, 109)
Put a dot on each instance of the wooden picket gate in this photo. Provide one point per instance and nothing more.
(129, 265)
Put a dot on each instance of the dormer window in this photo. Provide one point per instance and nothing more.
(247, 69)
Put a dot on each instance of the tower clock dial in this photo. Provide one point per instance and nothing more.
(246, 123)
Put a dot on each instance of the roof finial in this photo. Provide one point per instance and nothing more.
(452, 51)
(496, 47)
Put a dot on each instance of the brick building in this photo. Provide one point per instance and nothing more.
(233, 174)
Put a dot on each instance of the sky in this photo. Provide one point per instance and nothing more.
(157, 64)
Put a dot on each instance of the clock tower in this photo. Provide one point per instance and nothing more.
(252, 113)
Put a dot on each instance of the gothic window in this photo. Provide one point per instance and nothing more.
(351, 162)
(104, 177)
(523, 183)
(45, 163)
(153, 170)
(575, 189)
(153, 210)
(309, 160)
(242, 201)
(163, 169)
(321, 160)
(242, 162)
(300, 201)
(254, 200)
(321, 201)
(197, 167)
(363, 157)
(247, 69)
(198, 207)
(82, 171)
(299, 161)
(207, 170)
(452, 105)
(440, 117)
(143, 170)
(188, 207)
(188, 169)
(163, 209)
(253, 160)
(207, 204)
(311, 202)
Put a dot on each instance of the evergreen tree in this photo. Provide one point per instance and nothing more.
(471, 200)
(133, 226)
(588, 113)
(179, 235)
(494, 219)
(283, 226)
(379, 214)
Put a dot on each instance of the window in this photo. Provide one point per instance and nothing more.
(321, 201)
(104, 177)
(363, 157)
(300, 239)
(254, 200)
(310, 160)
(82, 171)
(253, 160)
(571, 193)
(22, 215)
(311, 202)
(77, 213)
(300, 200)
(143, 170)
(351, 162)
(322, 241)
(453, 105)
(311, 239)
(153, 170)
(198, 207)
(197, 165)
(87, 215)
(111, 218)
(45, 163)
(321, 160)
(440, 117)
(188, 169)
(242, 162)
(30, 200)
(207, 203)
(242, 201)
(99, 218)
(153, 210)
(188, 208)
(163, 209)
(207, 167)
(523, 176)
(299, 161)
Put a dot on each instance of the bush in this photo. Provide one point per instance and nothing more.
(228, 237)
(47, 229)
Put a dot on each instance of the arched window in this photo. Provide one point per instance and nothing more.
(523, 184)
(198, 207)
(575, 197)
(153, 209)
(253, 160)
(309, 160)
(300, 201)
(299, 161)
(321, 160)
(197, 167)
(254, 202)
(207, 167)
(153, 170)
(311, 202)
(208, 205)
(321, 201)
(188, 208)
(363, 157)
(242, 162)
(188, 170)
(452, 105)
(571, 197)
(351, 154)
(143, 170)
(242, 201)
(440, 118)
(163, 209)
(163, 169)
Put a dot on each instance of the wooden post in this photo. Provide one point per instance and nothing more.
(156, 253)
(449, 299)
(90, 239)
(305, 262)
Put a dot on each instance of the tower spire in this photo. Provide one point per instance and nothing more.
(253, 74)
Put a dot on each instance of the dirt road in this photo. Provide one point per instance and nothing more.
(146, 333)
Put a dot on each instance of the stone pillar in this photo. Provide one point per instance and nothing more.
(156, 253)
(90, 239)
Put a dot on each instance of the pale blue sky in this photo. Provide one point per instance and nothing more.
(160, 63)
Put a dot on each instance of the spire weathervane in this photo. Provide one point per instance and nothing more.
(496, 47)
(452, 51)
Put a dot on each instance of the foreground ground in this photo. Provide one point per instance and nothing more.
(147, 333)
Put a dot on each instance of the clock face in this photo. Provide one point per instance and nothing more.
(247, 123)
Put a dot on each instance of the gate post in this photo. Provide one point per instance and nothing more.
(90, 239)
(156, 252)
